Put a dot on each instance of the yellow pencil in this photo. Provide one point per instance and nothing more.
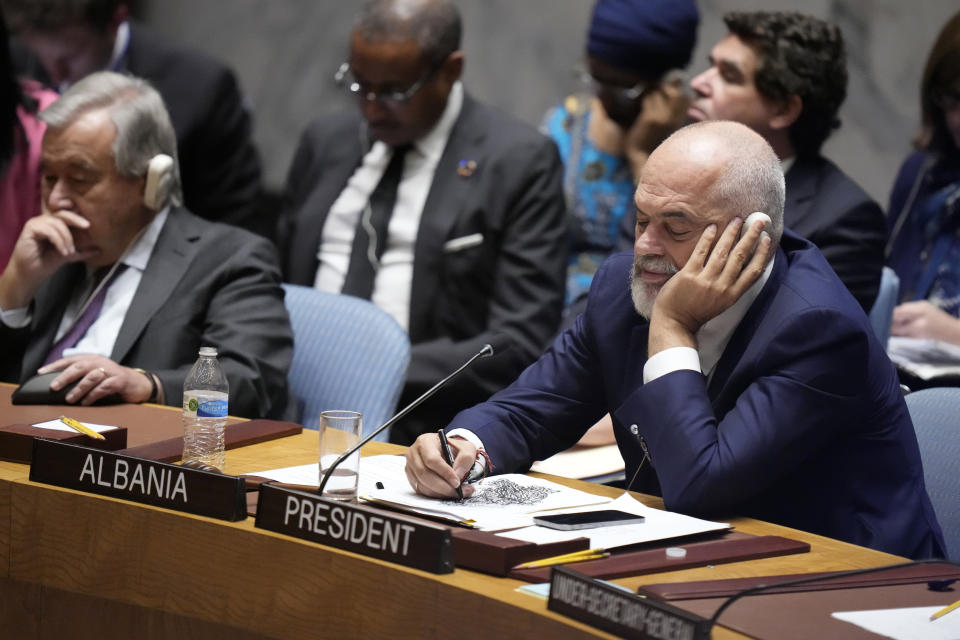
(576, 556)
(82, 428)
(947, 609)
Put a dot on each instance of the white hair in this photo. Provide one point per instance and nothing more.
(137, 111)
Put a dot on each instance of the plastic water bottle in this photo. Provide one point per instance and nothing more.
(205, 397)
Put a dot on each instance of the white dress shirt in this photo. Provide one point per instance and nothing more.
(102, 334)
(391, 289)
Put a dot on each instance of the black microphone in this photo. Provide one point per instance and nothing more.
(498, 344)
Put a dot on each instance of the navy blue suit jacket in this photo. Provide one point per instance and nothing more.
(802, 422)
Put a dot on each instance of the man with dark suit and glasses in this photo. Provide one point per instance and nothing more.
(444, 212)
(116, 286)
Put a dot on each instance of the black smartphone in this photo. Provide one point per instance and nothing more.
(587, 519)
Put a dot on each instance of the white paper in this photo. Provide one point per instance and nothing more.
(499, 502)
(924, 358)
(56, 425)
(912, 623)
(659, 525)
(924, 350)
(583, 462)
(490, 508)
(385, 469)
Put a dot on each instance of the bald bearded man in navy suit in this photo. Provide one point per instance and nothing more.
(740, 381)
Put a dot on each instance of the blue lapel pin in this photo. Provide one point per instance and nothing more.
(466, 168)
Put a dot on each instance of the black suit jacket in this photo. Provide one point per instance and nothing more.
(206, 284)
(219, 165)
(828, 208)
(510, 283)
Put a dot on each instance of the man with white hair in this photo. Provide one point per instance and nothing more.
(740, 376)
(117, 286)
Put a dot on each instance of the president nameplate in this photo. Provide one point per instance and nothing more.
(356, 528)
(622, 613)
(159, 484)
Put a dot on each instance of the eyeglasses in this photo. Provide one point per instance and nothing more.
(613, 90)
(345, 80)
(948, 100)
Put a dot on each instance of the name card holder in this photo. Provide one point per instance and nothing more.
(356, 528)
(16, 440)
(619, 612)
(159, 484)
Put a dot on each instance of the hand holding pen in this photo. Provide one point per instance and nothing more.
(429, 470)
(448, 458)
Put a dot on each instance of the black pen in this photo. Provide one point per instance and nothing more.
(448, 456)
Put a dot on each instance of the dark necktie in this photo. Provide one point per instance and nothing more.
(370, 239)
(87, 317)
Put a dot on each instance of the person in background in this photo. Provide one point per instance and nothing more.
(784, 75)
(65, 40)
(21, 133)
(635, 49)
(116, 286)
(923, 245)
(742, 377)
(445, 213)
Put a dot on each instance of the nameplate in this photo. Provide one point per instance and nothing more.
(159, 484)
(620, 612)
(356, 528)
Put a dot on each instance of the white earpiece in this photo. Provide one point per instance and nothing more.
(156, 192)
(753, 218)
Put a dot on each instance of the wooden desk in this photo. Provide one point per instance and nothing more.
(83, 566)
(165, 422)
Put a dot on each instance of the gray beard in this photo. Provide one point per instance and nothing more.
(644, 294)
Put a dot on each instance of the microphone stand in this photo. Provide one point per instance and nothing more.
(934, 585)
(486, 351)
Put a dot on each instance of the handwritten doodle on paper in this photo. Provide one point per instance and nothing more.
(504, 492)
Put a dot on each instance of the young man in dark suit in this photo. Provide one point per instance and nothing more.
(741, 376)
(117, 286)
(69, 39)
(468, 240)
(784, 75)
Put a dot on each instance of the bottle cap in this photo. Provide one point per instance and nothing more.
(676, 552)
(208, 351)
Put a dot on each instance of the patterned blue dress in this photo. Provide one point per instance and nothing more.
(599, 190)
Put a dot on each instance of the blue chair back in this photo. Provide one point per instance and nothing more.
(881, 314)
(347, 354)
(935, 417)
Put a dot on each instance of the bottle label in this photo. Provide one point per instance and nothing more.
(212, 409)
(205, 404)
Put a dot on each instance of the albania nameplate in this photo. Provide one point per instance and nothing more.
(155, 483)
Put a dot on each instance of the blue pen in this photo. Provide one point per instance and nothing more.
(448, 457)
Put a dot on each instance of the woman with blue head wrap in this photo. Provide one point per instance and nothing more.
(634, 50)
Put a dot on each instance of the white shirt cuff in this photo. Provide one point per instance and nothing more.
(670, 360)
(472, 438)
(16, 318)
